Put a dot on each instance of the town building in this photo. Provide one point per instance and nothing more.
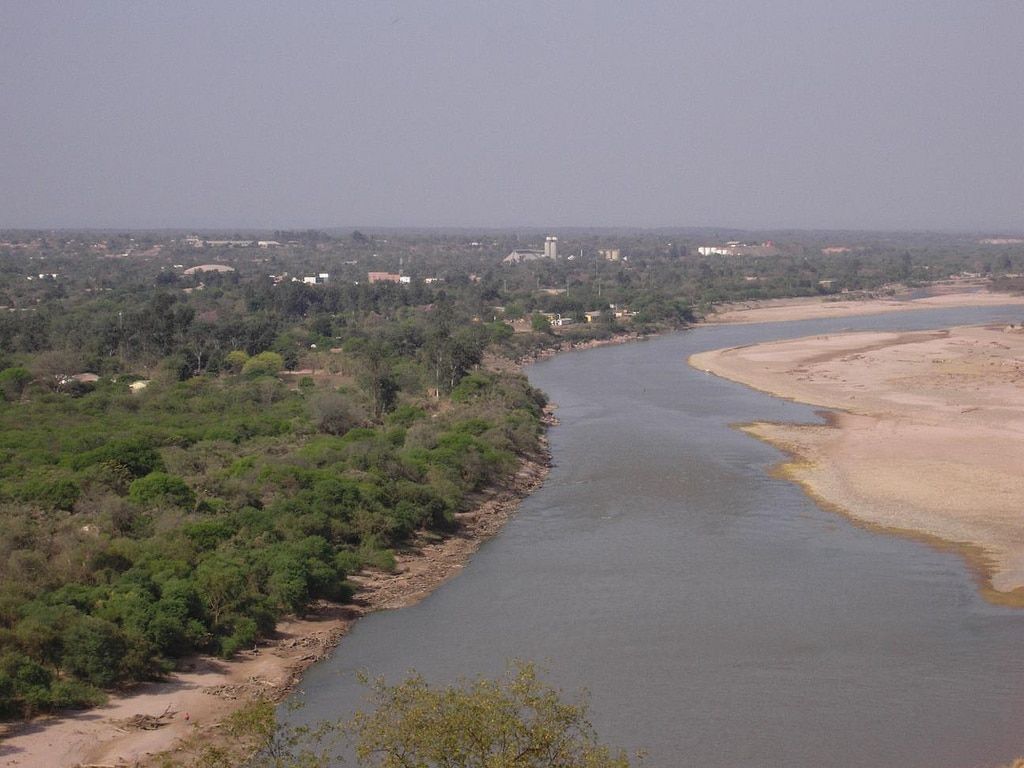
(736, 248)
(520, 255)
(209, 268)
(384, 277)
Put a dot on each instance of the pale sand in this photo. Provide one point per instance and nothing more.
(209, 689)
(928, 438)
(779, 310)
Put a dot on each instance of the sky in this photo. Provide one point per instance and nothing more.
(813, 114)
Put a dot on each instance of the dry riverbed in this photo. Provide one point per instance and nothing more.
(927, 434)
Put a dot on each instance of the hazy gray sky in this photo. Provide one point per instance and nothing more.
(778, 113)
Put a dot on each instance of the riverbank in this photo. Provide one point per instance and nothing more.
(941, 295)
(133, 727)
(926, 437)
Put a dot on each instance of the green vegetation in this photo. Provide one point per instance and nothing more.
(514, 722)
(234, 502)
(185, 458)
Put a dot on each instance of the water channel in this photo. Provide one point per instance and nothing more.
(716, 615)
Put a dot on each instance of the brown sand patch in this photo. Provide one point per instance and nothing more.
(928, 440)
(958, 294)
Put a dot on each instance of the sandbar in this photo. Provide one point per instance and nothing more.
(957, 293)
(925, 434)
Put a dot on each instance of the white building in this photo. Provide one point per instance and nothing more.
(521, 254)
(736, 248)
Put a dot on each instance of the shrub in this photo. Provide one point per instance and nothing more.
(161, 488)
(50, 492)
(93, 651)
(235, 360)
(137, 456)
(263, 364)
(13, 382)
(333, 414)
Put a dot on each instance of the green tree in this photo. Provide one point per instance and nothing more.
(94, 650)
(13, 382)
(514, 722)
(263, 364)
(236, 360)
(332, 413)
(376, 375)
(161, 488)
(540, 323)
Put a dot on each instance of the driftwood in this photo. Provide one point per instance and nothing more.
(145, 723)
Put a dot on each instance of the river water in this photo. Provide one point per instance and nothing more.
(716, 615)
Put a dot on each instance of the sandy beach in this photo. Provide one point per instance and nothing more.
(926, 437)
(954, 294)
(134, 727)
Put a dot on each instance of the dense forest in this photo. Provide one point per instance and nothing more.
(189, 455)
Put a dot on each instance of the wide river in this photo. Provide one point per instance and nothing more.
(716, 615)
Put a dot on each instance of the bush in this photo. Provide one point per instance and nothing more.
(517, 722)
(74, 694)
(333, 414)
(138, 457)
(13, 382)
(93, 651)
(161, 488)
(263, 364)
(235, 360)
(24, 685)
(50, 492)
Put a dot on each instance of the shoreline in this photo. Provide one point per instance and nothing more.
(979, 562)
(920, 439)
(138, 726)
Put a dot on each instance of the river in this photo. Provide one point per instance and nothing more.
(716, 615)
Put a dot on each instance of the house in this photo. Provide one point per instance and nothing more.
(318, 279)
(209, 268)
(594, 316)
(736, 248)
(383, 277)
(230, 243)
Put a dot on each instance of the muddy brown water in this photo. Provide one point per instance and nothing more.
(715, 614)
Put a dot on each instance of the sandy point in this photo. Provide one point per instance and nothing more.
(956, 293)
(926, 438)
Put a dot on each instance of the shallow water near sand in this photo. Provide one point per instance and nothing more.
(716, 615)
